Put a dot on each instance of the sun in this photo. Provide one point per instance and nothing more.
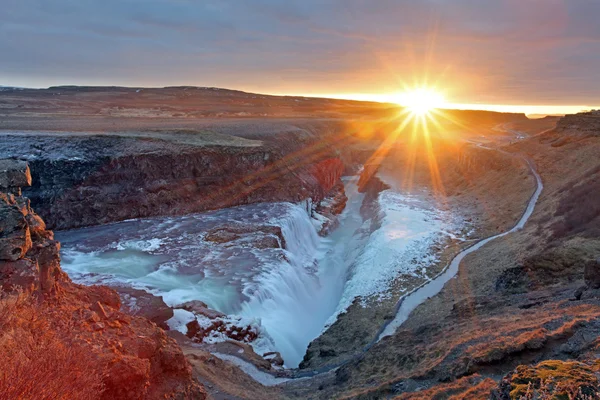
(420, 101)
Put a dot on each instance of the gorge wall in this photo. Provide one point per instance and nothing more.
(96, 179)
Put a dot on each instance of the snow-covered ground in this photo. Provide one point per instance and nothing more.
(433, 287)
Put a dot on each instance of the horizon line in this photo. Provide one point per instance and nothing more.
(527, 109)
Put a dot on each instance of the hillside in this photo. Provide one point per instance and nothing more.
(527, 302)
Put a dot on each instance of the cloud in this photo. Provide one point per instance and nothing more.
(535, 51)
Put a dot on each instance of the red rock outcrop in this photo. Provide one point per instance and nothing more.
(131, 357)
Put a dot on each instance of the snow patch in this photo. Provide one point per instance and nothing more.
(180, 319)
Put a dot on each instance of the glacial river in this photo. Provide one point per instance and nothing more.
(291, 294)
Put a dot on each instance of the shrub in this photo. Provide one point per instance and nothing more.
(554, 379)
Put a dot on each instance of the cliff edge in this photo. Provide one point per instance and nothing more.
(63, 340)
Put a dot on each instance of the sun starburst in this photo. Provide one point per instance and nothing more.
(421, 101)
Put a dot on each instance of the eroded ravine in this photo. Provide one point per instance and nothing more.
(317, 305)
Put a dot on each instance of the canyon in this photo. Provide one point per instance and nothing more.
(232, 245)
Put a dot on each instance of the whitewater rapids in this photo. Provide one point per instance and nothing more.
(292, 294)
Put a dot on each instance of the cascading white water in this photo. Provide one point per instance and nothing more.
(298, 298)
(283, 297)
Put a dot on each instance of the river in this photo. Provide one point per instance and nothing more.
(290, 294)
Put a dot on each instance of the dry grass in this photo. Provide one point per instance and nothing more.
(471, 387)
(37, 363)
(461, 348)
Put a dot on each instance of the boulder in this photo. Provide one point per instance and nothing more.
(14, 173)
(141, 303)
(200, 308)
(261, 237)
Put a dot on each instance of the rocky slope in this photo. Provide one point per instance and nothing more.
(62, 340)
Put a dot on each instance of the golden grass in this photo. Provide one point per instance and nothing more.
(471, 387)
(37, 363)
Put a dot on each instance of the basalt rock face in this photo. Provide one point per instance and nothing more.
(130, 357)
(331, 207)
(98, 179)
(582, 124)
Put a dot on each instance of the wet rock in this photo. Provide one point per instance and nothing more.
(261, 236)
(193, 329)
(221, 327)
(141, 303)
(330, 207)
(200, 308)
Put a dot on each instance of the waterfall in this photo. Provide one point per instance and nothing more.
(295, 292)
(296, 299)
(286, 298)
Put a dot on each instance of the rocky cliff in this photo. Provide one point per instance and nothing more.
(62, 340)
(580, 124)
(95, 179)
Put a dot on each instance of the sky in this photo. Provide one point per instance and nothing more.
(475, 52)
